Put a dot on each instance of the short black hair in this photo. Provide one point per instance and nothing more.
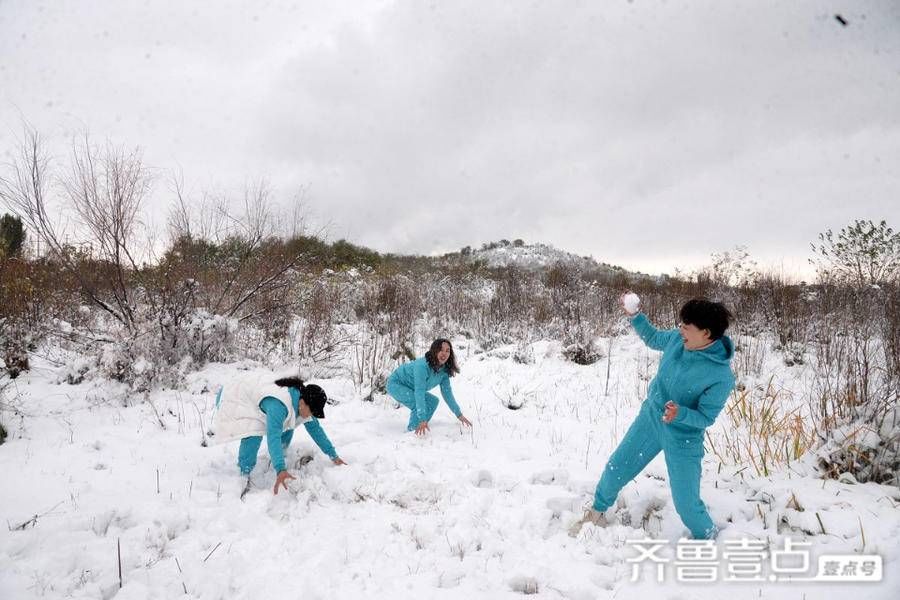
(315, 398)
(706, 314)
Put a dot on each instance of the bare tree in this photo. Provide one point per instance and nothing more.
(179, 221)
(106, 188)
(24, 190)
(248, 273)
(196, 219)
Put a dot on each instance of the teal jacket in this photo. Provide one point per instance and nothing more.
(419, 377)
(276, 413)
(698, 381)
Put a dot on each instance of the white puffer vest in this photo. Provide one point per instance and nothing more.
(239, 415)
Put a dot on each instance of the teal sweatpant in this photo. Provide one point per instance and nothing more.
(250, 448)
(407, 397)
(645, 439)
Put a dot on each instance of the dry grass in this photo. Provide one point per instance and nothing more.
(761, 432)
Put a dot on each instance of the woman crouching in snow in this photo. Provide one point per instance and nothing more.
(689, 391)
(253, 406)
(410, 382)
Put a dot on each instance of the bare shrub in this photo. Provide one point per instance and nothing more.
(510, 307)
(750, 352)
(583, 354)
(855, 389)
(390, 306)
(4, 404)
(570, 296)
(20, 315)
(890, 332)
(524, 354)
(371, 364)
(790, 317)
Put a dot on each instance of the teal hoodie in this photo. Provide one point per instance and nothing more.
(698, 381)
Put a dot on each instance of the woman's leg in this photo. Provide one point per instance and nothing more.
(684, 464)
(639, 446)
(407, 397)
(247, 453)
(431, 404)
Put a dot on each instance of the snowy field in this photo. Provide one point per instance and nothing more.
(478, 513)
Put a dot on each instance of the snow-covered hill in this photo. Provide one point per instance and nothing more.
(534, 256)
(531, 256)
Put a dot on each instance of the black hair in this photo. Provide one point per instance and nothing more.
(706, 314)
(431, 357)
(294, 382)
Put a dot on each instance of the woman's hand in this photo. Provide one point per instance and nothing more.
(338, 461)
(464, 421)
(670, 413)
(422, 429)
(281, 480)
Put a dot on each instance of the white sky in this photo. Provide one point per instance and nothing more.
(647, 133)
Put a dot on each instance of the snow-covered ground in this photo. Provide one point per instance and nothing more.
(478, 513)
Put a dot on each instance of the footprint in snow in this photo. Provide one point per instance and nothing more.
(551, 477)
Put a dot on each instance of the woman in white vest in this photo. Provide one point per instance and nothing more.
(253, 406)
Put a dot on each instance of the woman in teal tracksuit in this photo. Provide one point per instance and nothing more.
(410, 382)
(691, 387)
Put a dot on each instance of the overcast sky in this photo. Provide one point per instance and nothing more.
(647, 133)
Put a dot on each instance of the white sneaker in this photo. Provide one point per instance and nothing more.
(596, 518)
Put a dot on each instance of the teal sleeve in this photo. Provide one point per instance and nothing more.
(276, 413)
(420, 376)
(447, 393)
(708, 408)
(316, 432)
(653, 337)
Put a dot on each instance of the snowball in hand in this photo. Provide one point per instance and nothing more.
(631, 302)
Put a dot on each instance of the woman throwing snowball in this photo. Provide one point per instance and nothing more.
(690, 389)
